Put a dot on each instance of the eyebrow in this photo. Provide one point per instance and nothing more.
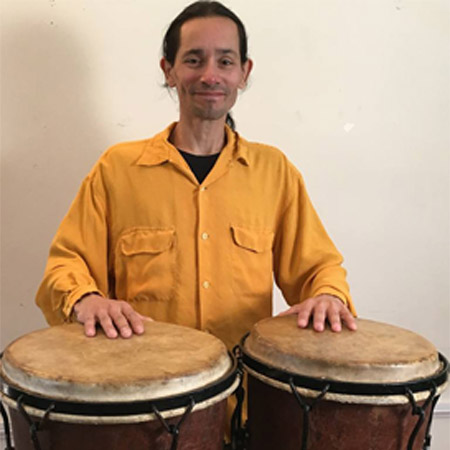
(200, 52)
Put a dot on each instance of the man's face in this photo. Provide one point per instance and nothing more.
(207, 72)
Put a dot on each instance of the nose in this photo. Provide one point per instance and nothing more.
(210, 76)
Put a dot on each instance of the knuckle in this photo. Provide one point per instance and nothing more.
(115, 312)
(104, 318)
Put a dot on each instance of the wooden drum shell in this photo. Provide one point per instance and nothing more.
(202, 429)
(275, 422)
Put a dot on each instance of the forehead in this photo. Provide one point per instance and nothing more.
(209, 33)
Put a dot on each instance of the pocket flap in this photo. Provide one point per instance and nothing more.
(147, 241)
(255, 240)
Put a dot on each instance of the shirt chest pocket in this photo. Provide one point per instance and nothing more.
(251, 256)
(145, 264)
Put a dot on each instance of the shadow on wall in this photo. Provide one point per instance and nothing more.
(50, 138)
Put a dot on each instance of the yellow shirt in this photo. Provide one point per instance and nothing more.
(142, 229)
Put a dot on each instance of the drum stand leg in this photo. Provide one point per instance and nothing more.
(174, 430)
(306, 409)
(34, 426)
(6, 427)
(420, 411)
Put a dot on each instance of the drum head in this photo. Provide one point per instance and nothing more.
(61, 363)
(375, 353)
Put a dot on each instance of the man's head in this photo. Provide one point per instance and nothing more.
(205, 58)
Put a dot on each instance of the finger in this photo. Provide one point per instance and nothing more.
(108, 327)
(136, 321)
(89, 327)
(335, 320)
(319, 317)
(304, 313)
(121, 323)
(291, 310)
(146, 318)
(348, 319)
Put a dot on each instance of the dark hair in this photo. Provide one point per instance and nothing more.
(171, 42)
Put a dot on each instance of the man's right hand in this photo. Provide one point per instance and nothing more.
(114, 316)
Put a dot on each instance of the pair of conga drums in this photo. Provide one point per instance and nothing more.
(374, 389)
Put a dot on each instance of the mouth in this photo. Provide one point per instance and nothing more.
(209, 94)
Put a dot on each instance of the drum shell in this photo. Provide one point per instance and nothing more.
(275, 421)
(203, 428)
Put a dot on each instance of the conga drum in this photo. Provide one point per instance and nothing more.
(165, 389)
(372, 389)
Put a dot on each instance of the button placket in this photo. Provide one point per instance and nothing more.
(202, 249)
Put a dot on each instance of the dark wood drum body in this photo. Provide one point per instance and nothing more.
(276, 421)
(202, 429)
(347, 391)
(166, 389)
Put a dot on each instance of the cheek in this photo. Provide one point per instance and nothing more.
(239, 81)
(185, 83)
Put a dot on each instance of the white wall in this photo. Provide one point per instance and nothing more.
(356, 92)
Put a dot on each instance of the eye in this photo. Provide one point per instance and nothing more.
(192, 61)
(226, 62)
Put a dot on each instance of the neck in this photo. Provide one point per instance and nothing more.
(199, 137)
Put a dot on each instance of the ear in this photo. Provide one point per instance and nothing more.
(166, 67)
(246, 69)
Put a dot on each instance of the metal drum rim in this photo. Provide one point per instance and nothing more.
(114, 409)
(342, 387)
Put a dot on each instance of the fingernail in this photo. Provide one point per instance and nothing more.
(126, 332)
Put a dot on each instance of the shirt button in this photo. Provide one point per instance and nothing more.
(206, 284)
(203, 189)
(205, 236)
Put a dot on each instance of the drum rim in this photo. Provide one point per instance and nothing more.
(128, 408)
(343, 387)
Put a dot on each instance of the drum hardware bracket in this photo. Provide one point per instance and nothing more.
(306, 409)
(239, 434)
(34, 426)
(6, 427)
(427, 443)
(420, 411)
(174, 430)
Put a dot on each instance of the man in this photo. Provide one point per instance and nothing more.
(191, 225)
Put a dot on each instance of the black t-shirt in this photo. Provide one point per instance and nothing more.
(200, 165)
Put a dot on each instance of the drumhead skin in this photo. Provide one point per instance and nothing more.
(63, 364)
(375, 353)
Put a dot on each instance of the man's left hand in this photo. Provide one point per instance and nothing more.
(320, 309)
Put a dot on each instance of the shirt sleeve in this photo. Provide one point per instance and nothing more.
(77, 263)
(306, 262)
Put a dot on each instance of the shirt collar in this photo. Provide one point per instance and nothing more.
(159, 150)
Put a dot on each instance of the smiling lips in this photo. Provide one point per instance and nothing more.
(210, 94)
